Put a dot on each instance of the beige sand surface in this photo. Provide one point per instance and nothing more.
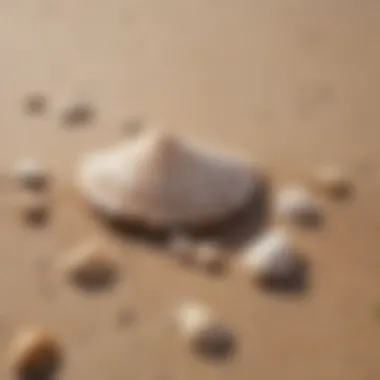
(292, 83)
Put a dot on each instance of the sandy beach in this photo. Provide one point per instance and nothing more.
(291, 84)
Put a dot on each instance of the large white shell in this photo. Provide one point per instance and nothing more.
(271, 257)
(163, 181)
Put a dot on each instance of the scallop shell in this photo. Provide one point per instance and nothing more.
(35, 351)
(163, 181)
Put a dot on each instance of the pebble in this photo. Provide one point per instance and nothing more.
(296, 204)
(35, 104)
(209, 257)
(34, 208)
(30, 174)
(333, 182)
(183, 249)
(133, 126)
(272, 258)
(78, 113)
(35, 353)
(204, 333)
(91, 265)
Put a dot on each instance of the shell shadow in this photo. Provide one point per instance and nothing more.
(46, 372)
(230, 233)
(298, 283)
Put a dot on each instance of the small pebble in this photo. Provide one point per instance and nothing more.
(183, 249)
(35, 353)
(91, 266)
(203, 331)
(78, 114)
(272, 258)
(296, 204)
(333, 182)
(133, 126)
(125, 317)
(30, 174)
(209, 257)
(34, 208)
(35, 104)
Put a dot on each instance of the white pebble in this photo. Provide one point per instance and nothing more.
(296, 204)
(271, 257)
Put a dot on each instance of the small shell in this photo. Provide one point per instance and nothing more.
(209, 257)
(272, 258)
(182, 248)
(30, 174)
(35, 352)
(333, 182)
(296, 204)
(203, 332)
(91, 265)
(34, 208)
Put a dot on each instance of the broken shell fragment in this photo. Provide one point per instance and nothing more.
(35, 353)
(91, 266)
(162, 181)
(272, 259)
(296, 204)
(333, 182)
(203, 331)
(30, 174)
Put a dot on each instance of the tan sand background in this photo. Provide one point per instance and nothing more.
(292, 83)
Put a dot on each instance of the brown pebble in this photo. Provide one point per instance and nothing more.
(35, 104)
(35, 353)
(209, 257)
(125, 317)
(34, 208)
(333, 182)
(78, 114)
(91, 265)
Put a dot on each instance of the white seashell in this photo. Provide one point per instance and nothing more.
(30, 174)
(91, 265)
(163, 181)
(296, 204)
(203, 332)
(271, 257)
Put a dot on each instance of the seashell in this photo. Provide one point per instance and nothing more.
(296, 204)
(35, 353)
(209, 257)
(163, 181)
(333, 182)
(30, 174)
(91, 265)
(272, 258)
(204, 333)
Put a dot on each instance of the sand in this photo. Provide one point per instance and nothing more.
(291, 83)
